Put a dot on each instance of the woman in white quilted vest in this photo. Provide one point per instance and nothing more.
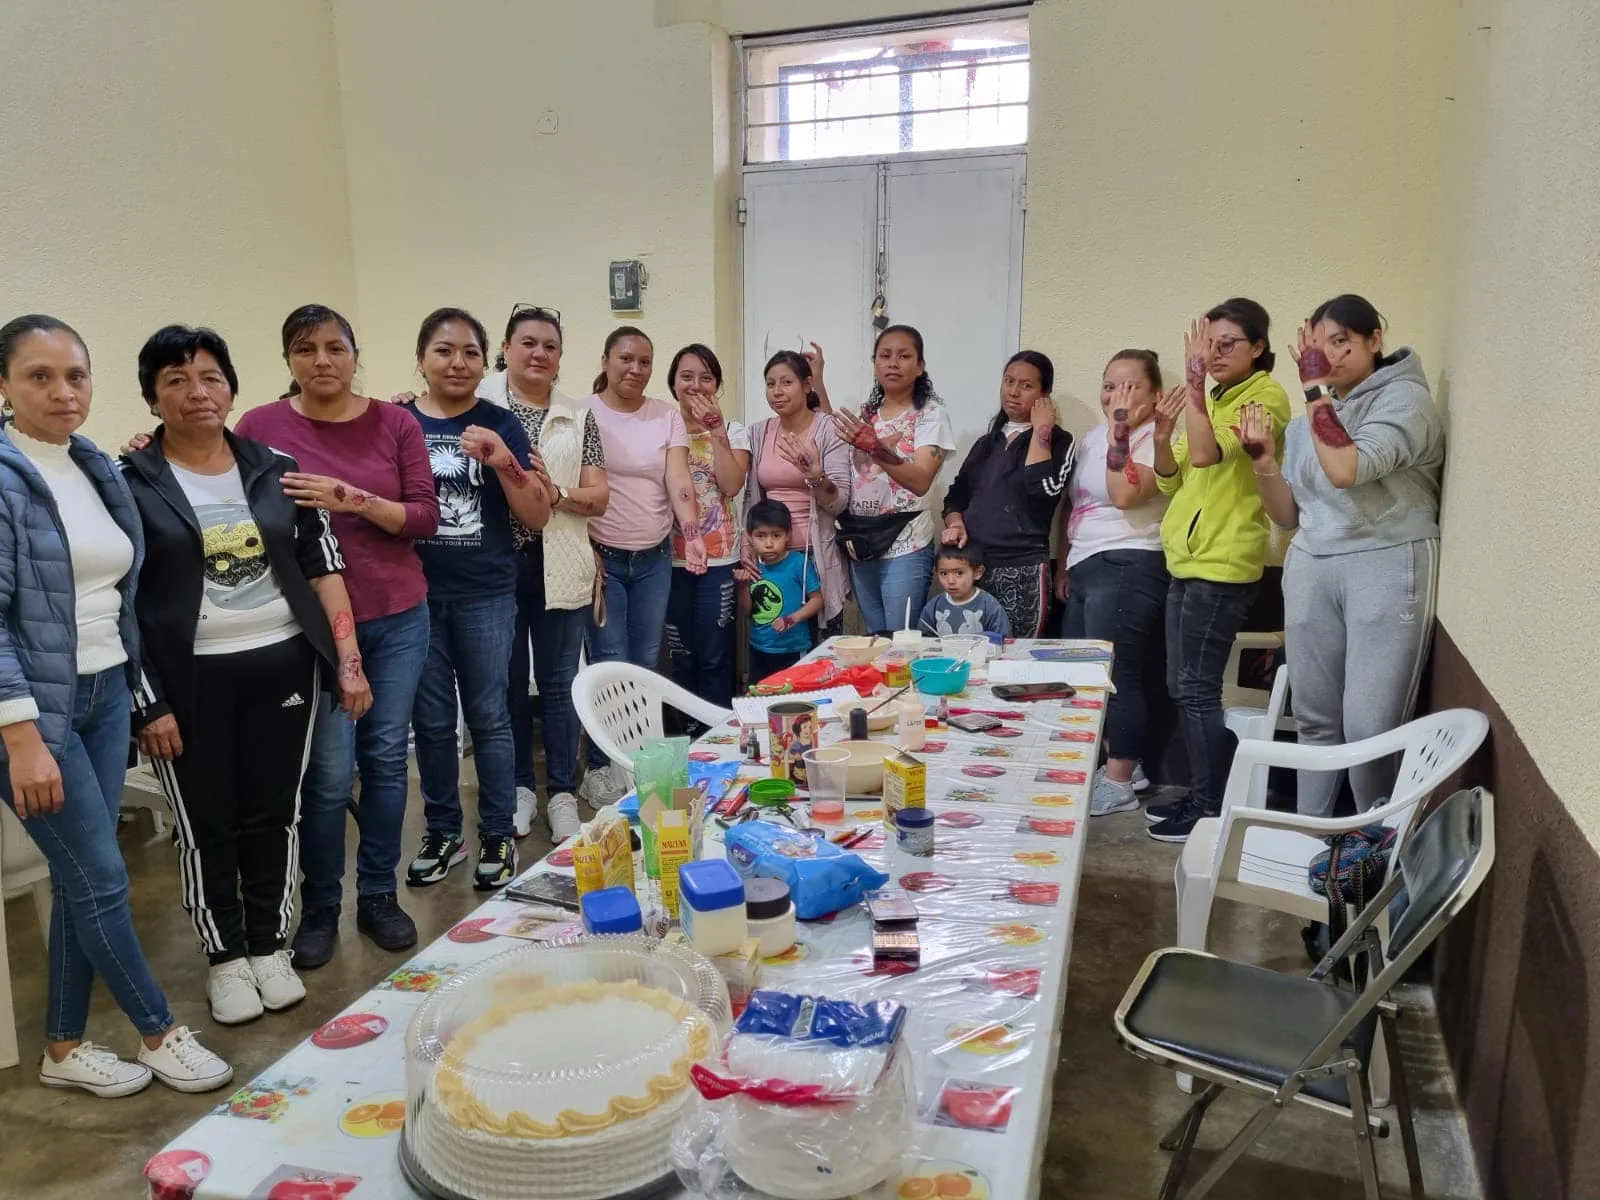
(556, 566)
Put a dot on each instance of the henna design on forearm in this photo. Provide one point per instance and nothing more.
(1195, 372)
(1326, 425)
(513, 471)
(1117, 451)
(1314, 365)
(344, 626)
(350, 670)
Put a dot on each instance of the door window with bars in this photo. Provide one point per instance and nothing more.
(898, 91)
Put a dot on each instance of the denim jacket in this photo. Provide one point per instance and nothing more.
(38, 602)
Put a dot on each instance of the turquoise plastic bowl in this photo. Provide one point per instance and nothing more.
(940, 676)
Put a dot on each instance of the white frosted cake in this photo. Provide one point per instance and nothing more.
(568, 1090)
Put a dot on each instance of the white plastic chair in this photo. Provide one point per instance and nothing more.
(23, 869)
(1262, 857)
(146, 793)
(1260, 724)
(1233, 694)
(620, 707)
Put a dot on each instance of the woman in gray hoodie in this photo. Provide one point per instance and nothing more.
(1360, 479)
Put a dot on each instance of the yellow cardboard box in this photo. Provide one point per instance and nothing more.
(672, 851)
(905, 785)
(602, 856)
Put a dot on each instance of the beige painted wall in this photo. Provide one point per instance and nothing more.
(1520, 583)
(172, 161)
(458, 198)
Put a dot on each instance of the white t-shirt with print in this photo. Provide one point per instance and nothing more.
(873, 493)
(241, 605)
(721, 517)
(1096, 524)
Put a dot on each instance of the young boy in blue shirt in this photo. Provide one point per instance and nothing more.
(780, 596)
(963, 607)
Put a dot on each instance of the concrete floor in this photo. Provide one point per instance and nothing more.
(1109, 1107)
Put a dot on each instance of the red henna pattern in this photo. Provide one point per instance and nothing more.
(1117, 451)
(350, 669)
(1314, 365)
(338, 492)
(518, 476)
(1325, 424)
(1196, 373)
(344, 626)
(1131, 473)
(1251, 449)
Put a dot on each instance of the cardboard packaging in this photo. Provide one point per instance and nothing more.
(602, 856)
(905, 785)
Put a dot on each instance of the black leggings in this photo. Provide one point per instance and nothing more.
(1119, 596)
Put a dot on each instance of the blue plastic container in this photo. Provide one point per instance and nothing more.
(612, 910)
(940, 676)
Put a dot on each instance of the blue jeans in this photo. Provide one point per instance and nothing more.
(393, 649)
(469, 647)
(559, 632)
(700, 632)
(637, 586)
(1203, 618)
(91, 926)
(1118, 596)
(884, 585)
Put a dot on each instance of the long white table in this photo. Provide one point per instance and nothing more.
(996, 902)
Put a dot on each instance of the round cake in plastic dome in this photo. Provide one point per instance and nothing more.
(558, 1071)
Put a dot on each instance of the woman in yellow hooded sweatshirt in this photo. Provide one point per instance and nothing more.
(1215, 538)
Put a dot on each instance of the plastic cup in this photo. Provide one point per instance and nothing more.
(826, 770)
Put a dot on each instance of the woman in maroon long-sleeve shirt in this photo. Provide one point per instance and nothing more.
(365, 462)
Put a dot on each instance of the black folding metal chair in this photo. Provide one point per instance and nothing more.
(1288, 1038)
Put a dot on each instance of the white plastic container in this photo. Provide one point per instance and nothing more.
(912, 728)
(770, 914)
(711, 906)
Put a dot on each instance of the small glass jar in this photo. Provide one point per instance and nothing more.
(914, 831)
(769, 914)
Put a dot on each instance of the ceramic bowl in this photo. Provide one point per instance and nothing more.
(864, 774)
(857, 651)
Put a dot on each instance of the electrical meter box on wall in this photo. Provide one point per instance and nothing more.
(627, 282)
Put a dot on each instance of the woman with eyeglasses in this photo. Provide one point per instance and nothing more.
(1215, 537)
(555, 565)
(1007, 491)
(647, 471)
(366, 464)
(1360, 480)
(700, 609)
(483, 472)
(900, 441)
(799, 460)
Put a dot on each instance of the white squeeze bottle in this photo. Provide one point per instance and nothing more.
(912, 729)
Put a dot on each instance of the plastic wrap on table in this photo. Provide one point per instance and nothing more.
(809, 1099)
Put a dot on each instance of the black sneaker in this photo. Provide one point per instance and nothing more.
(1177, 827)
(1165, 812)
(313, 941)
(381, 918)
(497, 864)
(440, 852)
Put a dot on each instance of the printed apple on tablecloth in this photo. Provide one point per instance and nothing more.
(290, 1182)
(963, 1104)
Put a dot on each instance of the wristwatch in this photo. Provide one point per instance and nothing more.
(561, 496)
(1319, 392)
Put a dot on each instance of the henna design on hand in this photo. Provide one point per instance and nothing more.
(1314, 365)
(1195, 372)
(1253, 450)
(339, 492)
(350, 670)
(1326, 425)
(344, 626)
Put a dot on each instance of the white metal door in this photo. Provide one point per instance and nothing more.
(950, 231)
(809, 249)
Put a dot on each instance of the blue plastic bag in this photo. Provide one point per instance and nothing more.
(822, 878)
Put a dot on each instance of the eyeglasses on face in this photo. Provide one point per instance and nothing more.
(1226, 346)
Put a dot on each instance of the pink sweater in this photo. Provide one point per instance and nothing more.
(381, 452)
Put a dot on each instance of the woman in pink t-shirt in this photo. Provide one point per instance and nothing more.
(799, 460)
(700, 609)
(647, 468)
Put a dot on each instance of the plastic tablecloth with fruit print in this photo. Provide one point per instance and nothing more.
(996, 905)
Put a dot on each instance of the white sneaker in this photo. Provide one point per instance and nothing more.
(1141, 781)
(94, 1069)
(231, 987)
(563, 814)
(280, 987)
(604, 785)
(183, 1064)
(527, 810)
(1109, 796)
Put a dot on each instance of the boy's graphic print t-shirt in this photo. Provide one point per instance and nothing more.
(472, 554)
(981, 614)
(781, 590)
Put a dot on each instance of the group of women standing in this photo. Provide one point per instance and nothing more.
(273, 610)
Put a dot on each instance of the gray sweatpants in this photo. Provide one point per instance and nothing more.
(1357, 628)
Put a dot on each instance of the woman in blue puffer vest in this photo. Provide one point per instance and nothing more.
(70, 546)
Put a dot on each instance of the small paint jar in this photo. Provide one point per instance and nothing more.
(914, 831)
(769, 914)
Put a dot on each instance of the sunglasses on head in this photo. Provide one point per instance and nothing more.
(538, 312)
